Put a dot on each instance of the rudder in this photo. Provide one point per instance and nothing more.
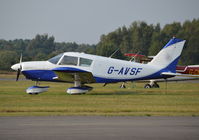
(169, 55)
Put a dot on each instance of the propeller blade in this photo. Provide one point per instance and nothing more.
(20, 61)
(18, 73)
(19, 70)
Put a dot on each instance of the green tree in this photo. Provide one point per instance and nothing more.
(41, 45)
(7, 59)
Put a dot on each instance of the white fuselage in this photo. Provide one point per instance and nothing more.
(102, 68)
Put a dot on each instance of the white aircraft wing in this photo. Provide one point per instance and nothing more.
(69, 74)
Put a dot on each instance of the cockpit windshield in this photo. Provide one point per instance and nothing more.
(55, 59)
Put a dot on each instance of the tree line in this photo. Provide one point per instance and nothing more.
(42, 47)
(139, 37)
(146, 39)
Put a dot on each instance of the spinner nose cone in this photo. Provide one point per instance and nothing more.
(15, 66)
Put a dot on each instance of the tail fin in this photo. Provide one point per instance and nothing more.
(169, 55)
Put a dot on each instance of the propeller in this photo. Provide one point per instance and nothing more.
(19, 69)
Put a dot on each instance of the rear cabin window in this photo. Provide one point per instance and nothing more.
(69, 60)
(85, 62)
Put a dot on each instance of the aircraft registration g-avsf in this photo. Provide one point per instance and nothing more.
(81, 69)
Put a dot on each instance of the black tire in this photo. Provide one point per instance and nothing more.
(157, 86)
(147, 86)
(122, 86)
(33, 93)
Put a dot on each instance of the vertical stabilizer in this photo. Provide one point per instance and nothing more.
(169, 55)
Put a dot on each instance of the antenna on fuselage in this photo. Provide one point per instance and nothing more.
(114, 52)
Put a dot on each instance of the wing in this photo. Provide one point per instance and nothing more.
(69, 74)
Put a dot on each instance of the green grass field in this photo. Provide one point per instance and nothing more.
(181, 99)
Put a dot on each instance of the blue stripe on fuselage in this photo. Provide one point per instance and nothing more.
(68, 69)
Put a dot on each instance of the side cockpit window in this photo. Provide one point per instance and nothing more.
(85, 62)
(69, 60)
(55, 59)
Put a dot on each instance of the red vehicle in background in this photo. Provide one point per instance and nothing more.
(191, 69)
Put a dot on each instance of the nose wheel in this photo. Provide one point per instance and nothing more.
(34, 90)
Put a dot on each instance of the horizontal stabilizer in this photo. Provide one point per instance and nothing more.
(178, 74)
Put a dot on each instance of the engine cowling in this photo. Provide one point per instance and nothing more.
(78, 90)
(36, 89)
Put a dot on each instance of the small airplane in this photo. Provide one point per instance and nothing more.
(81, 69)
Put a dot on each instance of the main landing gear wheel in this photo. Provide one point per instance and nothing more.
(155, 85)
(78, 88)
(147, 86)
(123, 85)
(152, 84)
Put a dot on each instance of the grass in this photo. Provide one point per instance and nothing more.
(181, 99)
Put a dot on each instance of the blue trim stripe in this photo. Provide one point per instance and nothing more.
(172, 41)
(68, 69)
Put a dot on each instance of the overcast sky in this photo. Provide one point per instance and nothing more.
(84, 21)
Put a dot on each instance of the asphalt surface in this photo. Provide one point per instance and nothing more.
(99, 128)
